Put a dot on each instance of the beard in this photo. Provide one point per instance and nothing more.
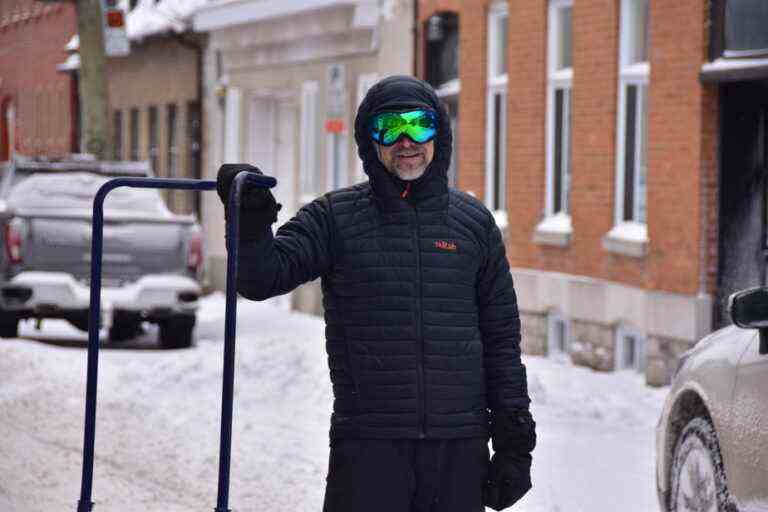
(409, 164)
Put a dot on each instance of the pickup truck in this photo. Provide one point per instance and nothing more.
(151, 261)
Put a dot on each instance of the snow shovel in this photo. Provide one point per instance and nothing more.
(233, 213)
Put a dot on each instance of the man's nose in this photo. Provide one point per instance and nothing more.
(405, 142)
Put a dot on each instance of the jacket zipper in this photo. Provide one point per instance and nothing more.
(422, 387)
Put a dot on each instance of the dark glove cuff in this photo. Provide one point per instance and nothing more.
(513, 431)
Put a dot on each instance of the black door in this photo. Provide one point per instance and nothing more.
(743, 167)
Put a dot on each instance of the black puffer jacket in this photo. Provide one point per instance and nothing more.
(422, 322)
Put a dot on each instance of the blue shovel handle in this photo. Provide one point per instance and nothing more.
(85, 504)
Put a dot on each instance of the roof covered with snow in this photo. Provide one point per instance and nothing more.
(151, 17)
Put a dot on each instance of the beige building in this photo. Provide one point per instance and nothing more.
(154, 95)
(283, 79)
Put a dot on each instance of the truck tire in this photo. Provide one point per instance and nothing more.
(9, 325)
(698, 479)
(176, 331)
(124, 331)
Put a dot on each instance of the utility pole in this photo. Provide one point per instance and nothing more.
(95, 135)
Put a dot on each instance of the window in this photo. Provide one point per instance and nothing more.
(630, 350)
(442, 45)
(631, 162)
(560, 78)
(496, 101)
(744, 27)
(558, 335)
(134, 120)
(172, 147)
(442, 36)
(309, 142)
(153, 139)
(194, 134)
(117, 130)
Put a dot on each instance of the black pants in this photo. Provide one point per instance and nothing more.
(403, 475)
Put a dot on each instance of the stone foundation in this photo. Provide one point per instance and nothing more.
(534, 334)
(593, 345)
(662, 356)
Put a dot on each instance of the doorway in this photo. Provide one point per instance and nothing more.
(271, 136)
(7, 126)
(743, 188)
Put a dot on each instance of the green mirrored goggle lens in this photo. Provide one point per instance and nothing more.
(418, 125)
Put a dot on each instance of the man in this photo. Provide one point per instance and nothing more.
(421, 318)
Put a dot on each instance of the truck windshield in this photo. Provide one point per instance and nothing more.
(76, 191)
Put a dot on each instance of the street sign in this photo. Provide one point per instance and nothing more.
(116, 43)
(336, 104)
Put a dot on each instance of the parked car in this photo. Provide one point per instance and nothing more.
(151, 261)
(712, 437)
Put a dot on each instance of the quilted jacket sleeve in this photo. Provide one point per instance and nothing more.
(505, 375)
(299, 252)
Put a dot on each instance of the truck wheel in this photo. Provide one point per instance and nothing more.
(124, 331)
(698, 478)
(176, 331)
(9, 325)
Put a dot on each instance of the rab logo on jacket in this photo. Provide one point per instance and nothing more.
(446, 246)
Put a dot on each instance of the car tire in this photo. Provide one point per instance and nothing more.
(176, 331)
(9, 325)
(698, 479)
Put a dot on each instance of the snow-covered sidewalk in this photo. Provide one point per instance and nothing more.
(158, 423)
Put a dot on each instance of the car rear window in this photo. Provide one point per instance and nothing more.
(76, 191)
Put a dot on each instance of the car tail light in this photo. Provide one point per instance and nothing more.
(13, 241)
(195, 252)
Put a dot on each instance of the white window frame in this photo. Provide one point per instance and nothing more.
(639, 357)
(309, 142)
(364, 82)
(449, 92)
(558, 79)
(554, 318)
(496, 86)
(630, 236)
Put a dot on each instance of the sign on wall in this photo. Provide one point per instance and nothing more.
(336, 105)
(116, 42)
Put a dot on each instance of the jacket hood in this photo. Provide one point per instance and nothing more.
(403, 92)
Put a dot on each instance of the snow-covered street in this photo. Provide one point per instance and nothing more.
(157, 427)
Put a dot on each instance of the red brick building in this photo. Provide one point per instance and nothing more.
(593, 129)
(38, 103)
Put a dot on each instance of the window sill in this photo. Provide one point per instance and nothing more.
(554, 230)
(628, 239)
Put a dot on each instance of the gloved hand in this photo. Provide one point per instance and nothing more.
(513, 435)
(258, 207)
(509, 478)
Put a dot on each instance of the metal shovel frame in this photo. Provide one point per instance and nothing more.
(233, 214)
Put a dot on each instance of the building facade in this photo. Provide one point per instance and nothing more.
(38, 102)
(154, 95)
(609, 138)
(282, 84)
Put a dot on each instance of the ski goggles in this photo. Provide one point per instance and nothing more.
(420, 126)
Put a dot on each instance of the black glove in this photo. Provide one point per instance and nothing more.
(513, 435)
(509, 478)
(258, 207)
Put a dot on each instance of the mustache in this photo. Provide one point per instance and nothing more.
(402, 152)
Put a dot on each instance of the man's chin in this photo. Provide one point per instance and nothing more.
(410, 175)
